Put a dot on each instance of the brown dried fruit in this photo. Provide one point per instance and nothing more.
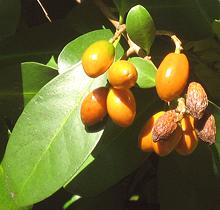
(164, 126)
(196, 100)
(206, 128)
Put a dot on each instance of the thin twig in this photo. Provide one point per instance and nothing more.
(44, 10)
(121, 30)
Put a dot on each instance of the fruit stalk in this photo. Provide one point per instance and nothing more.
(175, 39)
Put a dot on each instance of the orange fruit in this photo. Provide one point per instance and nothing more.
(121, 106)
(98, 57)
(172, 76)
(189, 140)
(93, 108)
(122, 74)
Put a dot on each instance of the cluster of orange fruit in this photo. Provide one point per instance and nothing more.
(178, 129)
(184, 139)
(117, 101)
(164, 131)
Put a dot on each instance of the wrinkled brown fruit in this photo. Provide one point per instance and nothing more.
(196, 100)
(164, 126)
(206, 128)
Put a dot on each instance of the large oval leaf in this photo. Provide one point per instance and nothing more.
(146, 72)
(140, 27)
(117, 153)
(72, 52)
(49, 143)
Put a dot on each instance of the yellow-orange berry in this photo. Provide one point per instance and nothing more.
(189, 140)
(122, 74)
(172, 76)
(121, 106)
(93, 107)
(98, 57)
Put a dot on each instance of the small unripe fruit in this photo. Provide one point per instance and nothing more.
(172, 76)
(93, 108)
(121, 106)
(189, 140)
(98, 57)
(122, 74)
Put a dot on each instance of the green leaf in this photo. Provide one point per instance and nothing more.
(19, 83)
(49, 142)
(34, 77)
(146, 72)
(123, 5)
(117, 153)
(140, 27)
(216, 28)
(52, 63)
(9, 17)
(194, 179)
(72, 52)
(6, 198)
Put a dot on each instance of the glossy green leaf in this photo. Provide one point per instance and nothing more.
(117, 153)
(49, 142)
(123, 5)
(216, 28)
(9, 17)
(146, 72)
(6, 197)
(72, 52)
(19, 83)
(140, 27)
(192, 181)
